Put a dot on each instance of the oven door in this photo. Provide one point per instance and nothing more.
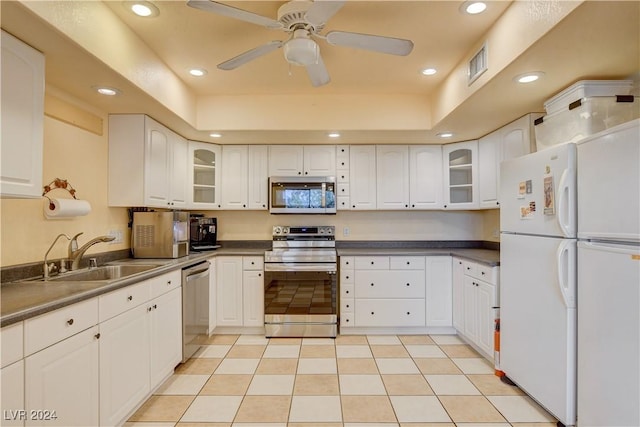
(300, 300)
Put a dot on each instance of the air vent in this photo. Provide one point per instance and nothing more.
(478, 64)
(145, 236)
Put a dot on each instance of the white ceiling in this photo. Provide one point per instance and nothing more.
(597, 40)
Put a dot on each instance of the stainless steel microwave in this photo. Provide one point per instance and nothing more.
(302, 195)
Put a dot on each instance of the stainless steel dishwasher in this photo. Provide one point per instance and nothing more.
(195, 308)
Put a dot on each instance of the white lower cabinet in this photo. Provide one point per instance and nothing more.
(387, 312)
(240, 291)
(165, 335)
(61, 382)
(439, 291)
(457, 280)
(252, 298)
(12, 383)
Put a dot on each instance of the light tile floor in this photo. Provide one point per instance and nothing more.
(352, 381)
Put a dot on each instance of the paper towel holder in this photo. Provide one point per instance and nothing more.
(58, 183)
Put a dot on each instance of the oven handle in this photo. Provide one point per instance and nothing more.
(300, 266)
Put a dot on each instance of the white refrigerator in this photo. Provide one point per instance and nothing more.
(538, 251)
(609, 278)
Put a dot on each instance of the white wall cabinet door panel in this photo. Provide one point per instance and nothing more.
(64, 378)
(319, 160)
(157, 164)
(362, 177)
(253, 298)
(22, 119)
(286, 160)
(392, 176)
(439, 298)
(12, 383)
(258, 179)
(460, 164)
(179, 171)
(235, 177)
(204, 175)
(124, 364)
(489, 157)
(165, 334)
(229, 292)
(425, 177)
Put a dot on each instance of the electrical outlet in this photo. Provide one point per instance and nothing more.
(496, 232)
(346, 231)
(117, 235)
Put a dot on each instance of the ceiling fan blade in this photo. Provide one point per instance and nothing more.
(318, 73)
(250, 55)
(380, 44)
(322, 10)
(233, 12)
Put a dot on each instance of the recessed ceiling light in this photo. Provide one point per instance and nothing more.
(334, 135)
(528, 77)
(197, 72)
(106, 90)
(473, 7)
(215, 135)
(143, 8)
(429, 71)
(445, 134)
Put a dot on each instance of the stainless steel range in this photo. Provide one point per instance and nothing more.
(300, 289)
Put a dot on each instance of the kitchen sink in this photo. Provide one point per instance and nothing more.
(105, 272)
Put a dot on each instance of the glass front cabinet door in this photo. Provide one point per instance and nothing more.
(461, 175)
(204, 175)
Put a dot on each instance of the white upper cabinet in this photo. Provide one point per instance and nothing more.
(362, 177)
(298, 160)
(508, 142)
(22, 119)
(154, 158)
(392, 172)
(204, 169)
(425, 177)
(460, 161)
(244, 180)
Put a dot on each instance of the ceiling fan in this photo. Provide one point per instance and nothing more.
(303, 20)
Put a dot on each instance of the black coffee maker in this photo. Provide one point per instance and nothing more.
(202, 233)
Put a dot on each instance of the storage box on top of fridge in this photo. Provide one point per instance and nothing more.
(586, 89)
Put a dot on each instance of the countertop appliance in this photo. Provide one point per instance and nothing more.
(203, 233)
(609, 278)
(301, 282)
(195, 308)
(160, 234)
(538, 277)
(302, 195)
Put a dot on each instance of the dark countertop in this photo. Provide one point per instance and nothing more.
(25, 299)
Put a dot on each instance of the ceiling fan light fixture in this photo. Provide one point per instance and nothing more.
(301, 50)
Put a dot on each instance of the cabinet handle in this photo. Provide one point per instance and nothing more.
(408, 284)
(346, 262)
(253, 263)
(149, 309)
(306, 173)
(408, 262)
(244, 206)
(70, 322)
(482, 272)
(97, 336)
(468, 268)
(264, 206)
(445, 206)
(372, 284)
(371, 262)
(348, 306)
(129, 298)
(346, 320)
(155, 306)
(347, 277)
(168, 282)
(299, 173)
(406, 206)
(346, 292)
(372, 313)
(408, 313)
(259, 274)
(354, 206)
(413, 206)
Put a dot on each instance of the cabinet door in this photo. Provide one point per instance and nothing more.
(362, 177)
(229, 295)
(204, 172)
(439, 289)
(515, 139)
(258, 177)
(213, 294)
(165, 334)
(486, 314)
(157, 164)
(64, 378)
(470, 296)
(460, 163)
(179, 171)
(392, 176)
(234, 176)
(12, 383)
(489, 157)
(124, 364)
(286, 160)
(253, 298)
(457, 280)
(320, 160)
(22, 119)
(425, 176)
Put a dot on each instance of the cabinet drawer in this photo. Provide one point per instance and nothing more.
(372, 263)
(124, 299)
(252, 263)
(346, 291)
(11, 343)
(343, 203)
(346, 320)
(407, 263)
(346, 262)
(346, 276)
(342, 162)
(390, 284)
(343, 189)
(165, 283)
(470, 268)
(488, 274)
(49, 328)
(386, 312)
(346, 305)
(342, 150)
(342, 177)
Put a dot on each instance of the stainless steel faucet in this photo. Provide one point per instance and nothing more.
(75, 254)
(48, 268)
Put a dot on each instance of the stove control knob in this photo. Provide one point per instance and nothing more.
(329, 230)
(277, 230)
(321, 230)
(285, 230)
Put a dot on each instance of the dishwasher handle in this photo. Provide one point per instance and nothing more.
(196, 271)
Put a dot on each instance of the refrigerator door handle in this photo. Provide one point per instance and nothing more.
(566, 267)
(566, 203)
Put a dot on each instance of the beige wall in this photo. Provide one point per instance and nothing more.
(491, 225)
(80, 157)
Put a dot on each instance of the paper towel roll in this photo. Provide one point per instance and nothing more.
(65, 208)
